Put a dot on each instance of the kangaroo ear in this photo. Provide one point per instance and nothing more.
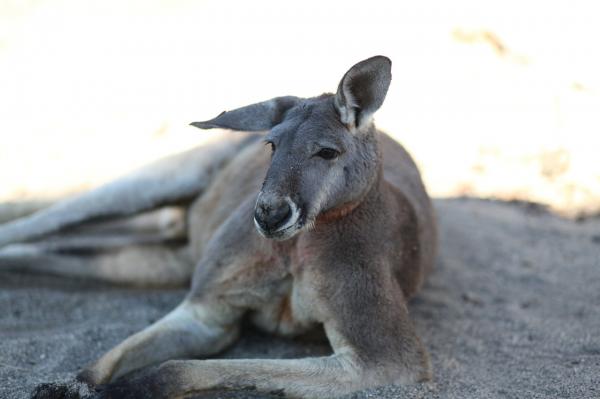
(252, 118)
(362, 90)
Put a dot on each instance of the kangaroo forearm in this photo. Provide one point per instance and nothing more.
(322, 377)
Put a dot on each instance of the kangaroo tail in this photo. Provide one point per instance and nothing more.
(173, 179)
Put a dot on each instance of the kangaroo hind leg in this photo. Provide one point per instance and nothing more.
(163, 225)
(142, 265)
(144, 250)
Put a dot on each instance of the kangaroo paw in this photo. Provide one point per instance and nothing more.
(62, 390)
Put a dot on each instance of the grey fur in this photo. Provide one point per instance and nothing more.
(333, 230)
(271, 113)
(362, 90)
(169, 180)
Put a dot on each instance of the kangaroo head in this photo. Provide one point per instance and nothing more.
(324, 150)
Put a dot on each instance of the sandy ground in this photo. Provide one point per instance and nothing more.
(510, 312)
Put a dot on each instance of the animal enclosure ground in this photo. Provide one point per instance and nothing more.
(512, 311)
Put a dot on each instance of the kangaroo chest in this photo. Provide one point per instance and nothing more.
(295, 310)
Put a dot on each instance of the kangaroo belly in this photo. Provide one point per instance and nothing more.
(235, 183)
(287, 314)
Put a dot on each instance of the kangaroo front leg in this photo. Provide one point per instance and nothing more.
(349, 369)
(190, 330)
(322, 377)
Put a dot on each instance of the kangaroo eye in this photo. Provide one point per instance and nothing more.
(327, 153)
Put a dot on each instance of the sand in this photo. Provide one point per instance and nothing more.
(512, 311)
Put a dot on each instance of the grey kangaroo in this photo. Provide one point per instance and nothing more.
(328, 226)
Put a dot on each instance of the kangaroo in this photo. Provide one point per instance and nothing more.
(331, 228)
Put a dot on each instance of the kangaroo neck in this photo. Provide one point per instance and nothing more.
(342, 211)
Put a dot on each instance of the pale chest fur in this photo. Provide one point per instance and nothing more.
(296, 310)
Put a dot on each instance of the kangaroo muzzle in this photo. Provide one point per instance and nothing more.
(274, 216)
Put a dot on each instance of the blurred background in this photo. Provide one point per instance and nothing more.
(494, 99)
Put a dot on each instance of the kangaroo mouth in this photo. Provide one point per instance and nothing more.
(288, 228)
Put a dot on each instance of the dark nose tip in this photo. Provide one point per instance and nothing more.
(270, 215)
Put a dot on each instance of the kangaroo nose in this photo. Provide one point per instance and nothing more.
(270, 215)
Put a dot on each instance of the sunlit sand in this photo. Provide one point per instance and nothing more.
(496, 101)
